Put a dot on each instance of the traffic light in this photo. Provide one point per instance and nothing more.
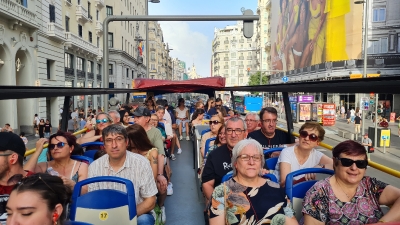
(248, 27)
(248, 71)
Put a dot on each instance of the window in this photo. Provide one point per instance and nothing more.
(398, 42)
(133, 74)
(52, 13)
(153, 56)
(98, 68)
(66, 23)
(110, 40)
(122, 44)
(68, 60)
(379, 15)
(80, 30)
(79, 64)
(153, 66)
(127, 72)
(384, 45)
(233, 63)
(88, 9)
(97, 14)
(233, 72)
(90, 67)
(98, 42)
(109, 10)
(50, 69)
(233, 55)
(90, 37)
(110, 69)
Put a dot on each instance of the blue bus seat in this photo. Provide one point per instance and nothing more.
(104, 206)
(207, 145)
(76, 223)
(271, 150)
(82, 158)
(267, 176)
(161, 125)
(297, 192)
(206, 116)
(97, 143)
(205, 131)
(271, 163)
(90, 153)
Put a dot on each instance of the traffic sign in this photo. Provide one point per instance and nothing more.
(385, 137)
(371, 102)
(285, 79)
(364, 103)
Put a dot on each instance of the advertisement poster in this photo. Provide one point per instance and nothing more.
(392, 117)
(319, 113)
(305, 98)
(310, 32)
(305, 112)
(387, 134)
(329, 114)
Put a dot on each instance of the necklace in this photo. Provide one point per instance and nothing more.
(342, 189)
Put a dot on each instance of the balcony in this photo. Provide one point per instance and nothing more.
(55, 32)
(226, 67)
(13, 11)
(241, 57)
(90, 76)
(226, 58)
(69, 73)
(249, 58)
(98, 77)
(99, 28)
(241, 66)
(226, 42)
(80, 74)
(82, 14)
(77, 43)
(152, 49)
(99, 4)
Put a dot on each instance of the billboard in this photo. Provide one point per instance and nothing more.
(310, 32)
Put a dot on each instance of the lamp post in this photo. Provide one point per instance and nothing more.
(147, 35)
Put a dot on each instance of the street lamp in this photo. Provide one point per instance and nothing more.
(147, 35)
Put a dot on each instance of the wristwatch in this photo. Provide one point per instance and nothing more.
(322, 166)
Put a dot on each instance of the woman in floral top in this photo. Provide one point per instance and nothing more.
(249, 199)
(349, 197)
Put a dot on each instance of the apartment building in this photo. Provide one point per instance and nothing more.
(156, 50)
(233, 55)
(264, 33)
(178, 69)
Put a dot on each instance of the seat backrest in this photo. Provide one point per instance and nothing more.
(297, 192)
(104, 206)
(227, 176)
(271, 163)
(271, 150)
(76, 223)
(90, 153)
(82, 158)
(271, 177)
(97, 143)
(207, 145)
(205, 131)
(206, 116)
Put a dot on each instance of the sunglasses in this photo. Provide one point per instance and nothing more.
(20, 179)
(361, 164)
(215, 122)
(105, 120)
(312, 137)
(59, 145)
(217, 105)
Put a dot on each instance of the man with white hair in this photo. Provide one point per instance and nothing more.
(115, 116)
(252, 121)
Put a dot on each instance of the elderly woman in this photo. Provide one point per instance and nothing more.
(248, 198)
(103, 120)
(215, 123)
(303, 154)
(349, 197)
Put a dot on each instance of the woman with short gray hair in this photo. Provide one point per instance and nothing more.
(248, 197)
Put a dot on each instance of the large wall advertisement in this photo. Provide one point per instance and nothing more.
(310, 32)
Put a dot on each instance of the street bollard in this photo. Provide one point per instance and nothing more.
(384, 146)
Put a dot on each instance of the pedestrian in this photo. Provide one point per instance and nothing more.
(348, 115)
(47, 129)
(343, 111)
(398, 119)
(352, 115)
(357, 124)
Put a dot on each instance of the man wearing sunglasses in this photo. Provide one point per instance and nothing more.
(268, 136)
(12, 151)
(218, 105)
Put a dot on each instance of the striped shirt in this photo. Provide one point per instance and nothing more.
(136, 168)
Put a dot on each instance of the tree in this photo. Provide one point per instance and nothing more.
(254, 79)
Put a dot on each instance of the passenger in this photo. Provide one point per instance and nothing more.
(303, 155)
(219, 160)
(268, 136)
(252, 121)
(218, 105)
(248, 198)
(182, 116)
(115, 116)
(151, 104)
(61, 145)
(220, 140)
(210, 104)
(222, 113)
(38, 199)
(197, 118)
(12, 151)
(199, 105)
(99, 154)
(103, 120)
(349, 195)
(124, 118)
(121, 163)
(215, 123)
(169, 116)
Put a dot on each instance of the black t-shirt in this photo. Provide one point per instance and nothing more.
(47, 128)
(357, 120)
(213, 110)
(217, 165)
(281, 138)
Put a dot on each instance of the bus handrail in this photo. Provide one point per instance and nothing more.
(31, 151)
(371, 163)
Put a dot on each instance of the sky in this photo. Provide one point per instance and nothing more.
(192, 41)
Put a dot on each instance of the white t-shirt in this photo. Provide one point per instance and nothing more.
(288, 156)
(352, 112)
(167, 117)
(181, 113)
(37, 120)
(168, 128)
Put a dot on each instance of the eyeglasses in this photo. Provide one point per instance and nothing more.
(237, 131)
(105, 120)
(59, 145)
(217, 105)
(221, 134)
(244, 157)
(6, 154)
(312, 137)
(361, 164)
(19, 178)
(155, 120)
(246, 120)
(215, 122)
(118, 140)
(270, 121)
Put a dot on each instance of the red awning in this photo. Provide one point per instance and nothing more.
(201, 85)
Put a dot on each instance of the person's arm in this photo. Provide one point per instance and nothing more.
(208, 188)
(187, 114)
(154, 163)
(82, 175)
(390, 196)
(146, 206)
(203, 144)
(32, 165)
(88, 137)
(311, 221)
(285, 168)
(326, 162)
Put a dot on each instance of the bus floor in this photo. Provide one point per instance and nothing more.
(184, 206)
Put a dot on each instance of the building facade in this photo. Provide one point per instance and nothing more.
(264, 34)
(233, 55)
(178, 69)
(192, 73)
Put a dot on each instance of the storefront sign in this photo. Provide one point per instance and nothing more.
(305, 98)
(329, 114)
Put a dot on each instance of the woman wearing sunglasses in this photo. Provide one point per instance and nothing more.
(210, 104)
(103, 120)
(61, 145)
(303, 154)
(38, 199)
(350, 197)
(215, 123)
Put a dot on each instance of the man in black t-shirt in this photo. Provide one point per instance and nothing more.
(268, 136)
(357, 124)
(218, 161)
(218, 105)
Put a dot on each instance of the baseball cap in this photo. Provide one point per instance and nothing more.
(12, 142)
(142, 111)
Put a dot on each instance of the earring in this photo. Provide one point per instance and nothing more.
(55, 218)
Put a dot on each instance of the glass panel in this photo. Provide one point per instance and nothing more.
(382, 14)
